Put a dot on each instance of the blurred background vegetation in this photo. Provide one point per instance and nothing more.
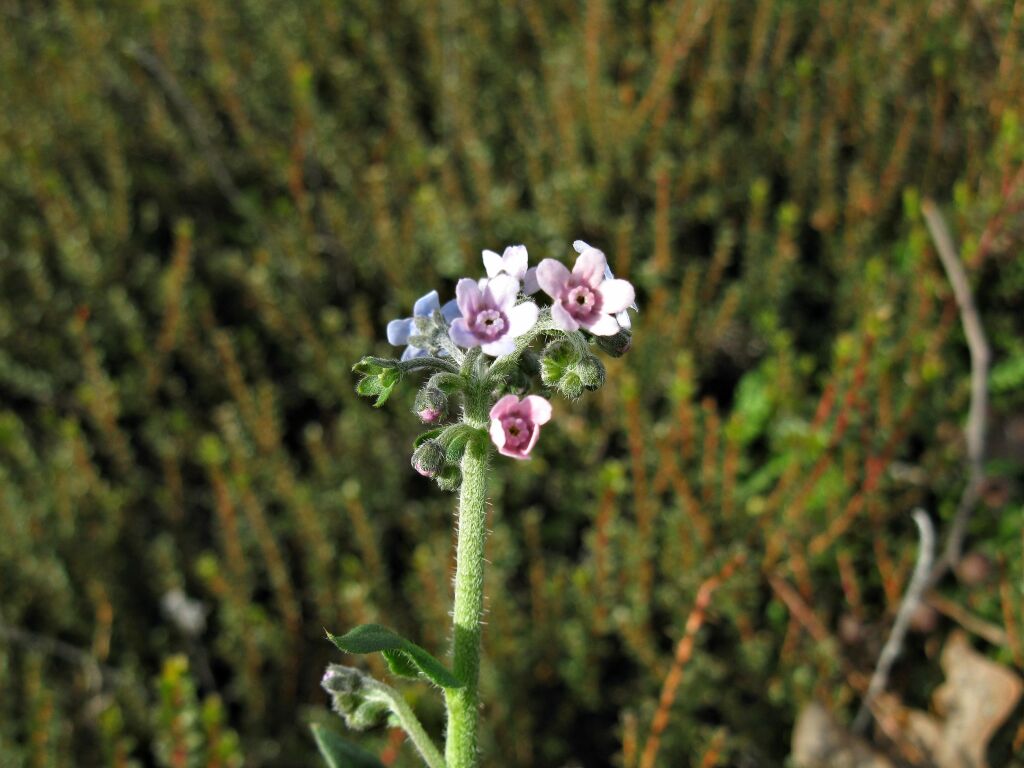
(210, 209)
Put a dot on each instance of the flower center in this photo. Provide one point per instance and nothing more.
(490, 324)
(582, 301)
(517, 431)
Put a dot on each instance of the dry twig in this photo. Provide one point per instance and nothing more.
(911, 600)
(977, 418)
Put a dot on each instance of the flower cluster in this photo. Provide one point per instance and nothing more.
(477, 347)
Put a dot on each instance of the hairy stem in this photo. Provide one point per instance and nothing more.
(463, 703)
(411, 725)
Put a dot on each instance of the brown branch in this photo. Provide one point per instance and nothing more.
(684, 651)
(977, 417)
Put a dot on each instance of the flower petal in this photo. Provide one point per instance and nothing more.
(513, 454)
(502, 291)
(461, 335)
(502, 346)
(411, 352)
(399, 331)
(497, 431)
(467, 296)
(602, 325)
(537, 408)
(552, 277)
(514, 259)
(450, 310)
(522, 318)
(579, 246)
(426, 304)
(590, 267)
(534, 434)
(623, 320)
(616, 295)
(562, 319)
(530, 285)
(504, 406)
(493, 263)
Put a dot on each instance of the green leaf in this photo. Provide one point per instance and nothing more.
(339, 753)
(403, 657)
(430, 434)
(378, 378)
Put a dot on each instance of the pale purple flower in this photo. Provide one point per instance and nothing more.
(515, 424)
(585, 298)
(622, 317)
(512, 262)
(399, 331)
(491, 319)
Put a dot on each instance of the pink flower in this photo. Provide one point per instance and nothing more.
(584, 298)
(515, 424)
(491, 319)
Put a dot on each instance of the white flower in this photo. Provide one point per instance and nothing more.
(512, 262)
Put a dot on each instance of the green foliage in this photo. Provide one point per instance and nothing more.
(208, 213)
(377, 377)
(404, 658)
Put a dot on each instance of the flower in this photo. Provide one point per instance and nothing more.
(399, 331)
(585, 298)
(515, 424)
(623, 316)
(490, 318)
(512, 262)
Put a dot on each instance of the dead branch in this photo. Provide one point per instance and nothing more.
(911, 600)
(977, 417)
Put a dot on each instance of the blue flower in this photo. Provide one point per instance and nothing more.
(399, 331)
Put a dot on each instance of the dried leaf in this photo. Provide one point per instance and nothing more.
(820, 742)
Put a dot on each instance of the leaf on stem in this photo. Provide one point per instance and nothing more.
(404, 657)
(340, 753)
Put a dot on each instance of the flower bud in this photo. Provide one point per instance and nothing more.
(428, 459)
(564, 368)
(431, 404)
(616, 345)
(354, 698)
(558, 357)
(591, 372)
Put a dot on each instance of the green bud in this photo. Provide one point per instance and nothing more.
(571, 386)
(556, 360)
(565, 368)
(591, 372)
(428, 459)
(354, 697)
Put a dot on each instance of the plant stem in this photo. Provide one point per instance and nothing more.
(410, 724)
(463, 703)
